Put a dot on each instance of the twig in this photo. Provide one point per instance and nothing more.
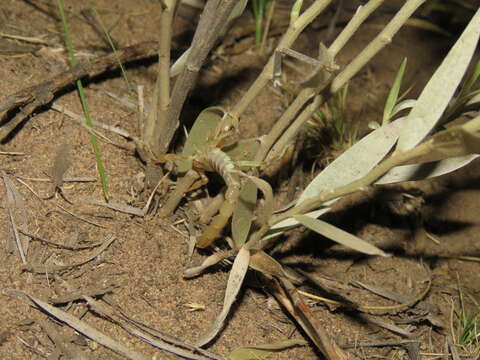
(80, 326)
(43, 268)
(12, 153)
(124, 208)
(11, 203)
(57, 245)
(286, 294)
(79, 217)
(81, 120)
(379, 344)
(179, 348)
(35, 96)
(29, 39)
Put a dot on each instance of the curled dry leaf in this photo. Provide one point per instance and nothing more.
(235, 281)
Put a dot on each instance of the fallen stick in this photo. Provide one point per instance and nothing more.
(41, 94)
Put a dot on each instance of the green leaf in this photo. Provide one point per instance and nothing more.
(340, 236)
(440, 89)
(295, 12)
(203, 128)
(243, 214)
(259, 352)
(393, 94)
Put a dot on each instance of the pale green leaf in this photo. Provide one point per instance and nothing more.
(259, 352)
(267, 192)
(291, 222)
(393, 94)
(425, 170)
(448, 154)
(243, 214)
(440, 89)
(402, 105)
(180, 63)
(340, 236)
(356, 162)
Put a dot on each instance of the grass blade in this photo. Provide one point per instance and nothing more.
(112, 45)
(393, 94)
(83, 99)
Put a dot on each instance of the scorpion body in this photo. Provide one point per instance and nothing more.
(219, 162)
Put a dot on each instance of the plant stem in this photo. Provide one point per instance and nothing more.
(157, 116)
(358, 18)
(340, 80)
(396, 159)
(282, 123)
(114, 50)
(292, 130)
(268, 22)
(293, 31)
(382, 39)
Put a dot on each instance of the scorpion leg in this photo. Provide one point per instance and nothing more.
(215, 228)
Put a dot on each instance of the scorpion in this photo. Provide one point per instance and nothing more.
(213, 159)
